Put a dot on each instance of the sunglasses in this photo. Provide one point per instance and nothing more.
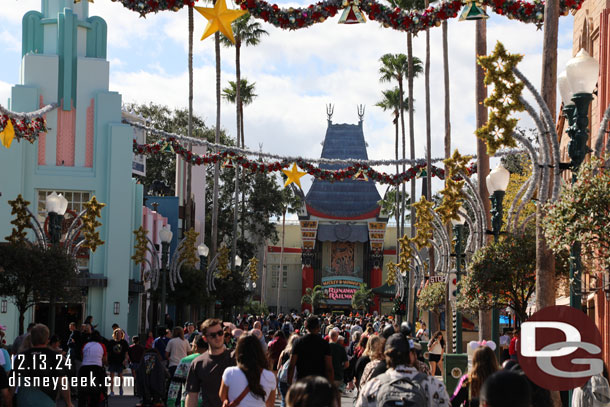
(215, 334)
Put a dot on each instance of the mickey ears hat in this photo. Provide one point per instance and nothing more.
(474, 344)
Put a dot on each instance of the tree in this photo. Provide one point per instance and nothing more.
(314, 297)
(363, 298)
(389, 203)
(502, 274)
(30, 274)
(391, 101)
(249, 33)
(432, 298)
(582, 215)
(397, 67)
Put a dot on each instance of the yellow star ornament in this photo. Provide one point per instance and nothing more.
(294, 175)
(219, 19)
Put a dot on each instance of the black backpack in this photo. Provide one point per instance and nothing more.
(402, 391)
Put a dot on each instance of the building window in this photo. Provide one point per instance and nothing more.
(76, 199)
(275, 271)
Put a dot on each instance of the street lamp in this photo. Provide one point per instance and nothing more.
(165, 234)
(576, 87)
(458, 231)
(56, 206)
(203, 251)
(237, 261)
(497, 181)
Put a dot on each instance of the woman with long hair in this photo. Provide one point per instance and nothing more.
(250, 383)
(374, 350)
(484, 364)
(436, 348)
(282, 367)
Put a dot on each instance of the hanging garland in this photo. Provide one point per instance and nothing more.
(26, 126)
(153, 6)
(413, 22)
(452, 193)
(230, 158)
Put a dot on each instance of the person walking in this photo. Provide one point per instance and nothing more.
(374, 351)
(117, 358)
(436, 348)
(30, 365)
(177, 349)
(339, 358)
(484, 364)
(250, 383)
(402, 383)
(313, 391)
(95, 357)
(134, 354)
(205, 373)
(176, 395)
(506, 388)
(276, 347)
(283, 364)
(311, 354)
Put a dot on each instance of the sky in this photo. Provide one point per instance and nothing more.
(297, 73)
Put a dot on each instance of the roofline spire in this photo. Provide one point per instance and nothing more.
(330, 109)
(361, 113)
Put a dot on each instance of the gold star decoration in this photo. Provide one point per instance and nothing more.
(452, 193)
(223, 262)
(21, 221)
(504, 100)
(187, 248)
(8, 134)
(253, 269)
(93, 210)
(423, 225)
(141, 245)
(294, 175)
(219, 19)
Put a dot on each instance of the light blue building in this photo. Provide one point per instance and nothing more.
(87, 151)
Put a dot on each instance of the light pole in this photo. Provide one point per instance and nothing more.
(203, 251)
(165, 234)
(56, 206)
(576, 86)
(497, 181)
(458, 231)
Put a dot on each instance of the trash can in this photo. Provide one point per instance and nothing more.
(455, 365)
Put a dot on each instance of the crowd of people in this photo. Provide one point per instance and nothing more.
(305, 361)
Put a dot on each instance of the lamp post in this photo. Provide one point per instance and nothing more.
(497, 181)
(458, 231)
(203, 251)
(576, 86)
(56, 206)
(165, 234)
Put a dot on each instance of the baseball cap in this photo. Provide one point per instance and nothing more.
(398, 343)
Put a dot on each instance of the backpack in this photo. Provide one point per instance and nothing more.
(282, 374)
(402, 391)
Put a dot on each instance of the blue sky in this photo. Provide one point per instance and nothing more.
(296, 73)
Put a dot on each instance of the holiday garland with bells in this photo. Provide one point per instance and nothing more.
(396, 18)
(153, 6)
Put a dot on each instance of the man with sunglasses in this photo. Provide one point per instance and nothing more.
(205, 373)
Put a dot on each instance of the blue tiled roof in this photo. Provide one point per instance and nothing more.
(349, 198)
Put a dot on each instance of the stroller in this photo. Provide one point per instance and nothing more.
(96, 395)
(151, 377)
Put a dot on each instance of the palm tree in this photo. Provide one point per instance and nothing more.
(391, 101)
(246, 96)
(363, 298)
(313, 297)
(248, 33)
(395, 67)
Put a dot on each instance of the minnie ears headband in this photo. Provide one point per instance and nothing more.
(474, 344)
